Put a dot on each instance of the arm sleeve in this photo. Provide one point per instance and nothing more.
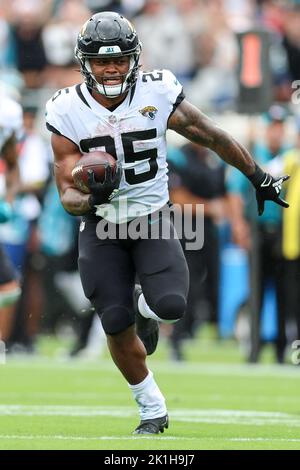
(173, 91)
(58, 120)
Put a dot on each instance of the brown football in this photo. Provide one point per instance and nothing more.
(96, 161)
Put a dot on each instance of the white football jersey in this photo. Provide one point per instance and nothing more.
(11, 119)
(134, 133)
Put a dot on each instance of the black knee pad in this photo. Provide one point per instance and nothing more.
(116, 319)
(171, 307)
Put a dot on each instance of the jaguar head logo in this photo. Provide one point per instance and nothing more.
(149, 111)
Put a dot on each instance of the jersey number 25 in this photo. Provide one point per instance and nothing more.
(130, 156)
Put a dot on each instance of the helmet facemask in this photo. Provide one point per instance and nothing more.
(110, 91)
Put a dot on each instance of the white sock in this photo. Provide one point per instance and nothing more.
(146, 311)
(149, 398)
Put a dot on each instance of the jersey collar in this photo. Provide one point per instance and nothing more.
(89, 101)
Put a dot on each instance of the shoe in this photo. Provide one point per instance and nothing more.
(152, 426)
(147, 329)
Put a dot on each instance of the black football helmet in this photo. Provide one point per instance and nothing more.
(108, 34)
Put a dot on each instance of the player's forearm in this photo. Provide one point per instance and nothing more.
(75, 202)
(233, 152)
(188, 121)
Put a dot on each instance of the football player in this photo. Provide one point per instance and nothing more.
(11, 124)
(126, 112)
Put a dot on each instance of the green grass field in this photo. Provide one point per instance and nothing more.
(215, 401)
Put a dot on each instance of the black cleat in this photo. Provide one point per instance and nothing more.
(147, 329)
(152, 426)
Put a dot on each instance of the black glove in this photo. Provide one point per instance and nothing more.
(104, 192)
(267, 188)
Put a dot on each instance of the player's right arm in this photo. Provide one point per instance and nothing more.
(66, 155)
(188, 121)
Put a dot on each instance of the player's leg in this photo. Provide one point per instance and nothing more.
(163, 275)
(128, 353)
(164, 278)
(9, 293)
(107, 274)
(107, 277)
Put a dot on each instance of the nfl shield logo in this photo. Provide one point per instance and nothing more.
(112, 119)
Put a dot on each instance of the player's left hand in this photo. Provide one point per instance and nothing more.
(103, 192)
(269, 190)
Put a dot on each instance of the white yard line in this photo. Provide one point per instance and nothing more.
(94, 438)
(226, 369)
(207, 416)
(50, 437)
(98, 396)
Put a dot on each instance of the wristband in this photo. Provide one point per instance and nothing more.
(257, 177)
(91, 203)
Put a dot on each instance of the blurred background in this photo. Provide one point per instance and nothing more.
(239, 62)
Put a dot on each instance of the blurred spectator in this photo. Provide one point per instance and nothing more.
(11, 123)
(289, 163)
(291, 41)
(9, 76)
(7, 58)
(34, 172)
(193, 14)
(214, 86)
(291, 236)
(59, 38)
(18, 234)
(171, 46)
(27, 20)
(132, 7)
(103, 5)
(272, 15)
(197, 177)
(241, 14)
(261, 235)
(64, 299)
(58, 246)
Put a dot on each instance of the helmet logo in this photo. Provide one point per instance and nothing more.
(109, 50)
(149, 111)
